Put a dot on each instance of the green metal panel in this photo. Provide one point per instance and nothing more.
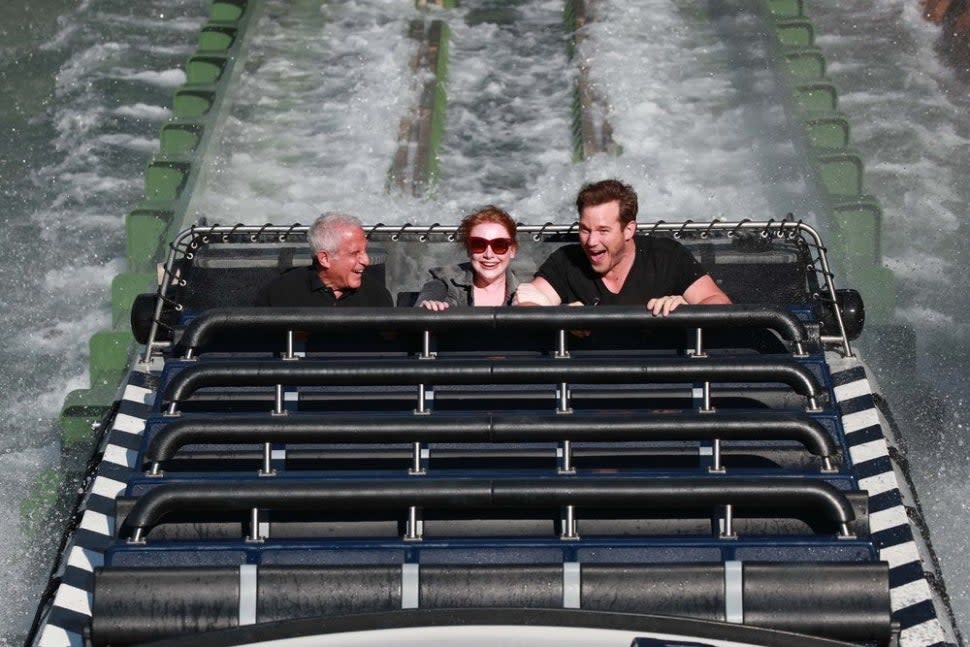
(816, 97)
(877, 285)
(204, 70)
(855, 219)
(192, 104)
(180, 138)
(439, 109)
(82, 409)
(216, 38)
(797, 32)
(109, 357)
(165, 180)
(579, 149)
(786, 8)
(124, 288)
(144, 228)
(827, 131)
(227, 10)
(859, 221)
(806, 64)
(840, 171)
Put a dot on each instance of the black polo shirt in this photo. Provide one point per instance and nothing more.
(661, 267)
(302, 286)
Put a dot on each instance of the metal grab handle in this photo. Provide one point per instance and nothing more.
(785, 496)
(211, 323)
(474, 371)
(306, 429)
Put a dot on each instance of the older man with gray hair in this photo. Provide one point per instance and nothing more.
(339, 274)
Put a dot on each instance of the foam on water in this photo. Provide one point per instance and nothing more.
(131, 142)
(314, 118)
(698, 109)
(509, 96)
(144, 111)
(910, 113)
(163, 79)
(89, 98)
(299, 142)
(20, 556)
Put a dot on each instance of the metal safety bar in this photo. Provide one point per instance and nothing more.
(780, 496)
(486, 371)
(585, 427)
(216, 322)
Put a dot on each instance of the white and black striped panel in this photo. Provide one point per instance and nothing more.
(71, 607)
(910, 593)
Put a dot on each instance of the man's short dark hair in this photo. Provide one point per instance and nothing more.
(597, 193)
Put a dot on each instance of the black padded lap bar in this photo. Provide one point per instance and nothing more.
(153, 602)
(843, 601)
(767, 592)
(287, 592)
(473, 371)
(211, 323)
(786, 496)
(768, 425)
(463, 586)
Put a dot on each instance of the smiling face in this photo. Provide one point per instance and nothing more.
(606, 242)
(343, 269)
(488, 265)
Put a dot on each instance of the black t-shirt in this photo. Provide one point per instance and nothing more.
(661, 267)
(302, 286)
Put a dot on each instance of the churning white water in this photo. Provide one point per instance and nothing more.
(86, 86)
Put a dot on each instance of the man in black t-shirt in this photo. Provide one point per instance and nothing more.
(613, 266)
(339, 274)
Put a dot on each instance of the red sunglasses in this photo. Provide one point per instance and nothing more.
(478, 245)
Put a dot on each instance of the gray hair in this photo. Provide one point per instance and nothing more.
(324, 234)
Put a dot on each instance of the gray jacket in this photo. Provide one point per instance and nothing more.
(453, 285)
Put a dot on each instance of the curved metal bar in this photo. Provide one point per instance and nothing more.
(767, 425)
(474, 371)
(780, 495)
(211, 323)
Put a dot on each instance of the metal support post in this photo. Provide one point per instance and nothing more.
(717, 467)
(267, 468)
(255, 537)
(279, 408)
(569, 532)
(290, 355)
(414, 530)
(727, 531)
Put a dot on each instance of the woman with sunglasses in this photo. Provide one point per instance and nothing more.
(485, 280)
